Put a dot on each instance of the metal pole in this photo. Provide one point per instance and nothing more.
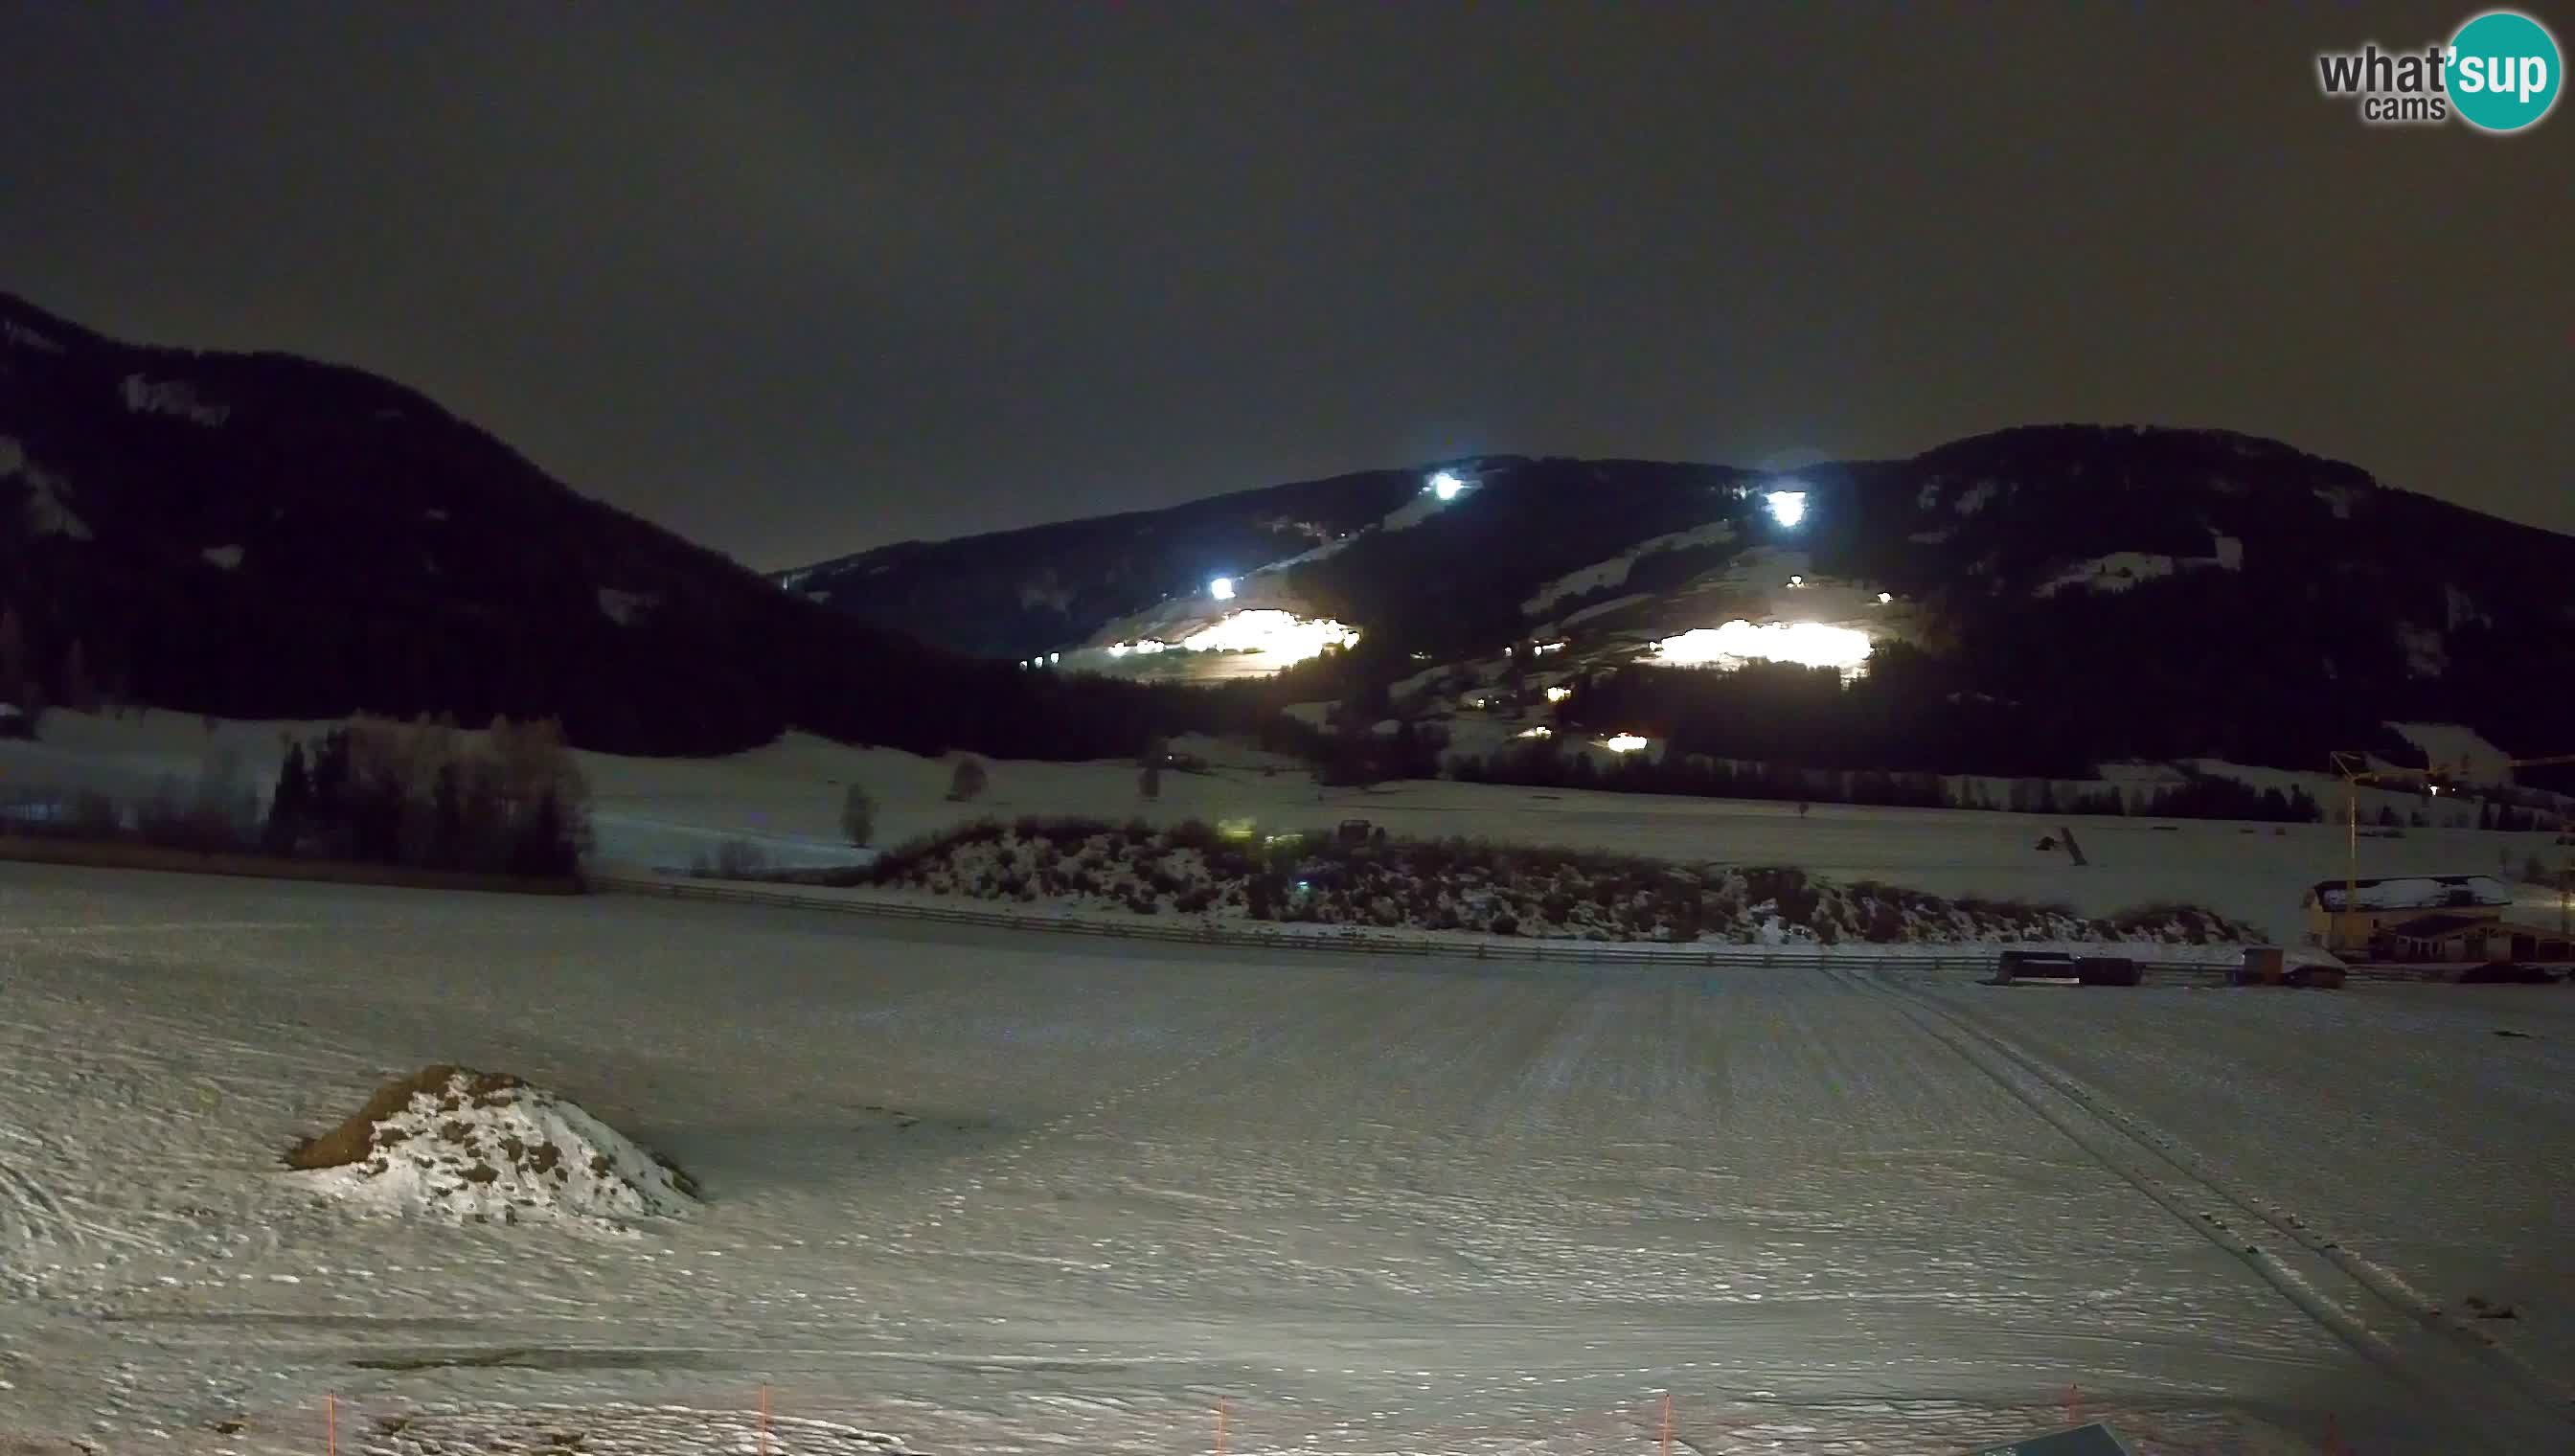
(2351, 866)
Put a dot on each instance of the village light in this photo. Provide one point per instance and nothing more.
(1788, 506)
(1222, 588)
(1885, 597)
(1445, 486)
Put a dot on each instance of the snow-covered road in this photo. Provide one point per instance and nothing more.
(997, 1193)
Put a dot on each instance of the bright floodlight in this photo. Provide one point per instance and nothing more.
(1446, 486)
(1885, 597)
(1222, 588)
(1623, 744)
(1788, 506)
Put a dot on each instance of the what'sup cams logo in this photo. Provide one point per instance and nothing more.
(2500, 73)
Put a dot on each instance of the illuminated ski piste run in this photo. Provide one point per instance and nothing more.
(996, 1192)
(1279, 638)
(1810, 644)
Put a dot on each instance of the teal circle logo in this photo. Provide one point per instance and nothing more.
(2504, 71)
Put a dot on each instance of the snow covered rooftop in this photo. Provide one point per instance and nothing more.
(2415, 892)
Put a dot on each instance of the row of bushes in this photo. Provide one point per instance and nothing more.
(1458, 884)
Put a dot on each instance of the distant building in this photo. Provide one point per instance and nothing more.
(2382, 904)
(2453, 935)
(2428, 919)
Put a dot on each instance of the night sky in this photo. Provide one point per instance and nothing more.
(797, 281)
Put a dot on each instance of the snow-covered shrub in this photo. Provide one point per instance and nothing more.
(1402, 884)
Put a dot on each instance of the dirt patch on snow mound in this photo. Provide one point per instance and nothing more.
(486, 1147)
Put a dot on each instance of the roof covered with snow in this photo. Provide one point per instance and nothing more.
(2415, 892)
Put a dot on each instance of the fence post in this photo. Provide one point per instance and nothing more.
(331, 1425)
(1667, 1443)
(1219, 1426)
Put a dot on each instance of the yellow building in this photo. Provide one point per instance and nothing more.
(2462, 901)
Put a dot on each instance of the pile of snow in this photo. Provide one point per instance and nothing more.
(479, 1147)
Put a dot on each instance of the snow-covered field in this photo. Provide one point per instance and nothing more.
(786, 799)
(978, 1192)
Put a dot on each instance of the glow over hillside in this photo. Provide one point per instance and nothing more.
(1282, 638)
(1810, 644)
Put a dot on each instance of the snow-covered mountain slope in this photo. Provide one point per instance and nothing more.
(261, 536)
(2214, 590)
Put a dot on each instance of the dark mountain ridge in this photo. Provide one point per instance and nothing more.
(2104, 590)
(263, 535)
(257, 534)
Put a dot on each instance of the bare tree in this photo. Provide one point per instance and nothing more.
(858, 815)
(13, 656)
(80, 691)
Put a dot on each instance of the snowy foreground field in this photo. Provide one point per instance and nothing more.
(975, 1193)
